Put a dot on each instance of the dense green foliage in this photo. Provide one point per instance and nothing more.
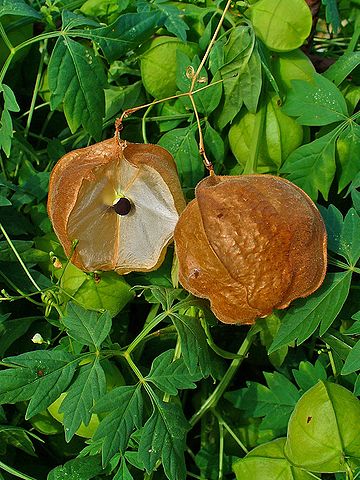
(150, 384)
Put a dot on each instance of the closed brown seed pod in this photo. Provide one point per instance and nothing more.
(250, 244)
(121, 201)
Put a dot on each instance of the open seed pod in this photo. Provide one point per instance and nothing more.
(250, 244)
(121, 201)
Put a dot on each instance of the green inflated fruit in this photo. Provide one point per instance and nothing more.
(290, 66)
(158, 65)
(282, 27)
(323, 430)
(103, 290)
(281, 136)
(268, 462)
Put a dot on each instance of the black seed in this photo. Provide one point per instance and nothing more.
(122, 206)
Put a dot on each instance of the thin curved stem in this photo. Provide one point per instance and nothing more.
(15, 472)
(213, 399)
(19, 258)
(208, 164)
(35, 91)
(209, 47)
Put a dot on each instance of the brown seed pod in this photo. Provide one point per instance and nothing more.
(250, 244)
(121, 201)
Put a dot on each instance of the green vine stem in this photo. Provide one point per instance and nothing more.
(5, 37)
(230, 431)
(36, 89)
(19, 258)
(221, 449)
(22, 45)
(159, 318)
(213, 399)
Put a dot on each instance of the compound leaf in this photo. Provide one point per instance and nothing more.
(312, 166)
(89, 386)
(343, 233)
(125, 405)
(182, 144)
(317, 102)
(40, 376)
(85, 468)
(169, 375)
(303, 318)
(19, 8)
(163, 436)
(126, 33)
(274, 402)
(86, 326)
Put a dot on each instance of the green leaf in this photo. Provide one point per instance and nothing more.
(308, 374)
(13, 329)
(274, 403)
(194, 346)
(214, 146)
(10, 102)
(182, 144)
(23, 247)
(348, 151)
(350, 246)
(338, 344)
(277, 26)
(250, 78)
(72, 20)
(125, 405)
(125, 34)
(303, 318)
(169, 375)
(312, 166)
(19, 8)
(173, 23)
(321, 434)
(236, 73)
(18, 438)
(83, 468)
(86, 326)
(355, 327)
(355, 194)
(343, 233)
(317, 102)
(39, 376)
(123, 472)
(88, 387)
(77, 79)
(4, 202)
(6, 126)
(36, 188)
(341, 69)
(268, 461)
(269, 327)
(334, 225)
(352, 362)
(163, 436)
(332, 14)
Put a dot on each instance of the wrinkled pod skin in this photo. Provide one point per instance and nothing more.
(250, 244)
(120, 200)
